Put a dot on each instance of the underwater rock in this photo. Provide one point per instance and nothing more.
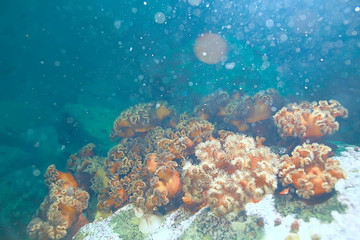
(42, 141)
(123, 223)
(180, 224)
(13, 124)
(11, 155)
(91, 123)
(320, 208)
(17, 209)
(27, 135)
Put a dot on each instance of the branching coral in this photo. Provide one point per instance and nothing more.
(233, 171)
(306, 119)
(310, 170)
(60, 209)
(139, 119)
(100, 181)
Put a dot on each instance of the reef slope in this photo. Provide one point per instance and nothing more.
(267, 219)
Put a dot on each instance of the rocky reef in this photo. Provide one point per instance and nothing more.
(199, 174)
(266, 219)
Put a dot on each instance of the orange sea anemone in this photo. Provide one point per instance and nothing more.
(60, 209)
(164, 183)
(112, 197)
(169, 179)
(310, 170)
(307, 120)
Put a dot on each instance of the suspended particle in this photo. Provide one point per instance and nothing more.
(210, 48)
(159, 18)
(194, 3)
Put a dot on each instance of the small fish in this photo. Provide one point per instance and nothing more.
(285, 191)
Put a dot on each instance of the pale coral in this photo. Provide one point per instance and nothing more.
(310, 170)
(306, 119)
(233, 171)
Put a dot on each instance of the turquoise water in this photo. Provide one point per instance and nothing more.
(68, 69)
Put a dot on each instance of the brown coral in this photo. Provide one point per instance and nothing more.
(88, 150)
(310, 170)
(139, 119)
(125, 167)
(112, 197)
(188, 133)
(213, 106)
(306, 119)
(84, 160)
(239, 110)
(60, 209)
(118, 160)
(142, 173)
(233, 171)
(196, 184)
(167, 185)
(252, 109)
(265, 103)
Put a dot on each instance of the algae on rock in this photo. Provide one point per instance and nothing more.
(235, 226)
(320, 208)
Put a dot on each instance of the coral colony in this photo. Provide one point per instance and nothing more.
(163, 160)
